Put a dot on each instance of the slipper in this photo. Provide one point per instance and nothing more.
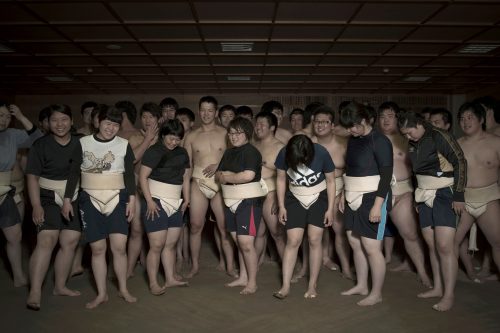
(33, 306)
(279, 295)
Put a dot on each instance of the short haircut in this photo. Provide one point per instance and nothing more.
(227, 107)
(172, 127)
(244, 110)
(271, 105)
(342, 105)
(371, 111)
(425, 110)
(186, 112)
(129, 109)
(352, 114)
(389, 105)
(325, 110)
(410, 119)
(309, 111)
(169, 101)
(272, 120)
(210, 100)
(296, 111)
(97, 110)
(244, 124)
(43, 114)
(113, 114)
(62, 108)
(447, 116)
(490, 103)
(299, 150)
(476, 108)
(89, 104)
(152, 108)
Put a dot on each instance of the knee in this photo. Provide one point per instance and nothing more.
(98, 251)
(293, 243)
(118, 250)
(445, 248)
(195, 228)
(156, 248)
(314, 241)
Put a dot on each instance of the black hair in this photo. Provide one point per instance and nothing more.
(353, 113)
(299, 150)
(129, 109)
(389, 105)
(244, 124)
(186, 112)
(342, 105)
(89, 104)
(210, 100)
(172, 127)
(4, 104)
(309, 111)
(296, 111)
(169, 101)
(325, 110)
(490, 103)
(272, 120)
(244, 110)
(152, 108)
(410, 119)
(227, 107)
(62, 108)
(43, 114)
(113, 114)
(447, 116)
(271, 105)
(425, 110)
(477, 109)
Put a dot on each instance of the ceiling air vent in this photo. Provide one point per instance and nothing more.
(59, 78)
(238, 78)
(416, 78)
(478, 48)
(5, 49)
(237, 47)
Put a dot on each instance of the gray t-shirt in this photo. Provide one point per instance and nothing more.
(11, 140)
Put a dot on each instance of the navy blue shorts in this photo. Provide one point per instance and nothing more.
(245, 221)
(163, 222)
(390, 228)
(441, 214)
(53, 217)
(9, 215)
(299, 217)
(358, 221)
(97, 226)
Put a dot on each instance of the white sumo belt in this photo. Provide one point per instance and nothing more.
(58, 186)
(5, 182)
(307, 195)
(207, 185)
(168, 194)
(356, 187)
(103, 189)
(234, 194)
(427, 187)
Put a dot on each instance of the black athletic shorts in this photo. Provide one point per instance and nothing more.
(358, 221)
(441, 214)
(299, 217)
(9, 215)
(52, 214)
(163, 222)
(245, 221)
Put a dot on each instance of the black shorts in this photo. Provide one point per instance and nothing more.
(52, 214)
(441, 214)
(97, 226)
(358, 221)
(245, 221)
(9, 215)
(163, 222)
(299, 217)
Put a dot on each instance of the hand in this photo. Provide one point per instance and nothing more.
(67, 209)
(375, 214)
(328, 219)
(130, 210)
(282, 215)
(151, 132)
(38, 215)
(152, 210)
(458, 207)
(184, 206)
(15, 111)
(342, 203)
(209, 171)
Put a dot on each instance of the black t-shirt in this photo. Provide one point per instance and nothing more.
(49, 159)
(368, 154)
(168, 166)
(238, 159)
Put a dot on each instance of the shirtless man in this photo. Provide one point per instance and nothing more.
(402, 213)
(86, 112)
(482, 193)
(269, 147)
(226, 114)
(307, 125)
(168, 107)
(441, 118)
(140, 141)
(205, 146)
(277, 108)
(296, 120)
(323, 130)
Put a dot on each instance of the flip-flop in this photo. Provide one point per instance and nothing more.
(279, 295)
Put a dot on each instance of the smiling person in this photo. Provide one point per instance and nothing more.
(105, 163)
(369, 167)
(164, 175)
(296, 119)
(276, 108)
(441, 170)
(47, 171)
(482, 194)
(239, 174)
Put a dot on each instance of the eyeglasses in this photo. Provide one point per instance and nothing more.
(234, 133)
(322, 122)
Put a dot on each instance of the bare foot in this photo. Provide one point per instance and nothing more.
(356, 290)
(157, 290)
(249, 290)
(473, 277)
(492, 277)
(431, 293)
(65, 292)
(370, 300)
(176, 283)
(233, 273)
(311, 293)
(33, 301)
(20, 282)
(281, 294)
(192, 273)
(76, 272)
(221, 267)
(348, 275)
(239, 282)
(127, 297)
(426, 281)
(402, 267)
(130, 275)
(97, 301)
(297, 276)
(444, 305)
(328, 263)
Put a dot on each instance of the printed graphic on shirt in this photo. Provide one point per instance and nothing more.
(93, 164)
(303, 176)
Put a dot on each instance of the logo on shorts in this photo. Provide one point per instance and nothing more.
(304, 176)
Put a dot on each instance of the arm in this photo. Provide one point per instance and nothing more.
(34, 194)
(74, 176)
(330, 190)
(148, 138)
(152, 208)
(280, 194)
(129, 179)
(242, 177)
(186, 190)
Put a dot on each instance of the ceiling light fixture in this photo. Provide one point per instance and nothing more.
(478, 48)
(113, 47)
(416, 78)
(5, 49)
(237, 47)
(59, 78)
(238, 78)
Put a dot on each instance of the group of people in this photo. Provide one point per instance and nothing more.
(337, 183)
